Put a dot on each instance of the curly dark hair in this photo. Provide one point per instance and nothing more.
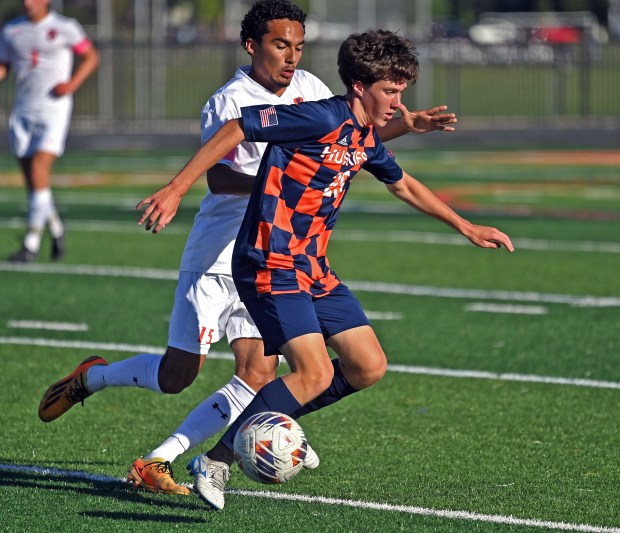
(377, 55)
(254, 24)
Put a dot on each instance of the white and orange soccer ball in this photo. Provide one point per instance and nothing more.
(270, 448)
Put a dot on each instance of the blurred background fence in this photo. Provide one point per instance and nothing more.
(509, 71)
(173, 82)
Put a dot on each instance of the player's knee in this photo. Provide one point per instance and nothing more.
(366, 375)
(375, 371)
(251, 365)
(174, 384)
(177, 371)
(319, 379)
(255, 377)
(310, 381)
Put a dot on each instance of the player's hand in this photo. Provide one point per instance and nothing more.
(487, 237)
(62, 89)
(427, 119)
(161, 208)
(4, 71)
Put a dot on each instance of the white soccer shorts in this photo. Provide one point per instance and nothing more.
(207, 307)
(45, 133)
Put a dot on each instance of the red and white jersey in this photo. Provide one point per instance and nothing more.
(212, 238)
(41, 56)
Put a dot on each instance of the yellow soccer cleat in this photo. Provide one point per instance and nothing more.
(64, 394)
(154, 475)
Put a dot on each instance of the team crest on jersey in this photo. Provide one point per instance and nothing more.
(298, 100)
(268, 117)
(51, 34)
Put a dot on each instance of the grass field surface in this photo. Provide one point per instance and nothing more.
(500, 411)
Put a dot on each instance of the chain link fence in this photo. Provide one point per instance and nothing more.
(161, 89)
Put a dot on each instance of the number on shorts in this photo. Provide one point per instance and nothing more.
(201, 337)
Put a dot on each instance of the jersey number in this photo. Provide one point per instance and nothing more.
(201, 337)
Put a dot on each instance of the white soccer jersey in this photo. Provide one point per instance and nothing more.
(211, 240)
(41, 56)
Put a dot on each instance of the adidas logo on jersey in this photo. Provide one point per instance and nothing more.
(343, 141)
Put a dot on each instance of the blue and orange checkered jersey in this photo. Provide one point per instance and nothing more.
(315, 149)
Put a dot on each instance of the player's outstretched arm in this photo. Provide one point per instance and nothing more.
(432, 119)
(417, 195)
(4, 71)
(162, 206)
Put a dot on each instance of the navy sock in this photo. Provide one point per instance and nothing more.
(338, 389)
(274, 396)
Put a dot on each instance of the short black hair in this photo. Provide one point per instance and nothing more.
(377, 55)
(254, 24)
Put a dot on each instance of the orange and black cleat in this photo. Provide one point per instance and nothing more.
(154, 475)
(64, 394)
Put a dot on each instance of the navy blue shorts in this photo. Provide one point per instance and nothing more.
(283, 317)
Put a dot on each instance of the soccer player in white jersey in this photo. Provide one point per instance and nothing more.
(40, 48)
(206, 304)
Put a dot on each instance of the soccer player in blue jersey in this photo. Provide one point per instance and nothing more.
(280, 267)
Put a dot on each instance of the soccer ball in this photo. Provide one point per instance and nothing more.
(270, 447)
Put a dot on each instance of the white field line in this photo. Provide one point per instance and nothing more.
(425, 511)
(503, 376)
(91, 270)
(86, 198)
(404, 369)
(71, 326)
(457, 240)
(448, 514)
(363, 286)
(129, 201)
(97, 346)
(481, 307)
(379, 315)
(418, 237)
(100, 226)
(53, 326)
(480, 294)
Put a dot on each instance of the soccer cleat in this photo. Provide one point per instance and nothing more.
(58, 248)
(64, 394)
(312, 460)
(23, 255)
(210, 478)
(154, 475)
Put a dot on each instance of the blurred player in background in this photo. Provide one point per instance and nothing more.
(40, 47)
(206, 305)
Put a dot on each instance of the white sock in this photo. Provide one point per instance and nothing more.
(137, 371)
(40, 205)
(215, 413)
(54, 222)
(169, 450)
(32, 240)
